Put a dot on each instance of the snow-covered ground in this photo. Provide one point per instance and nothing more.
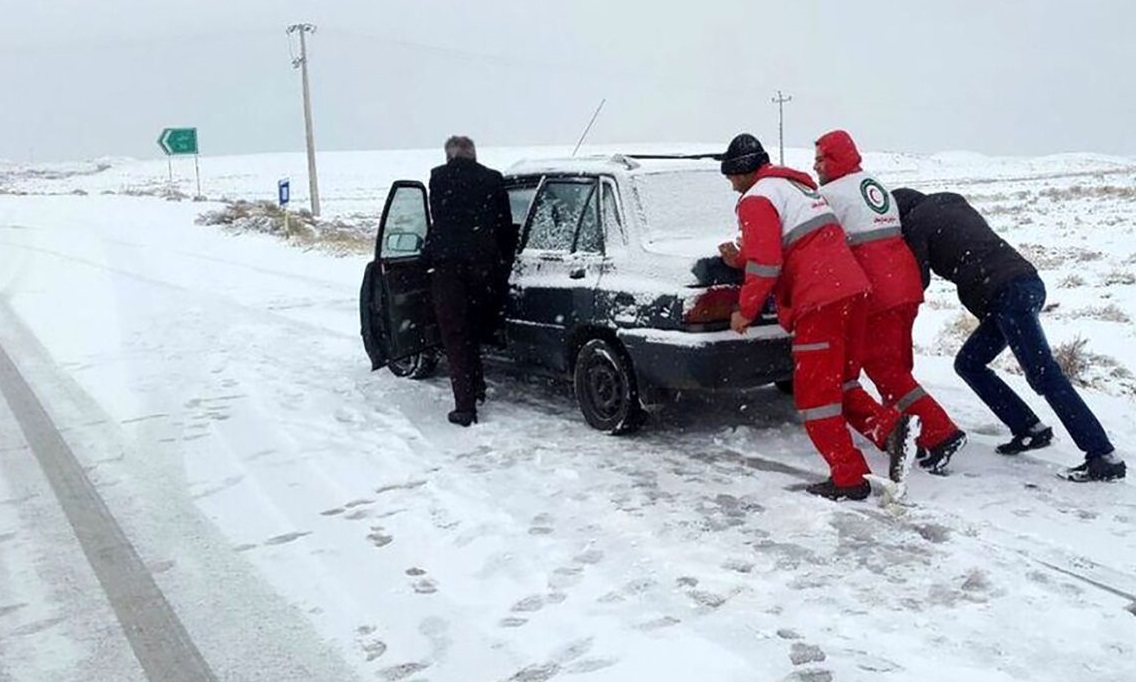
(310, 520)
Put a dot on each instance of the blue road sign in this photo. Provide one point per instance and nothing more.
(283, 191)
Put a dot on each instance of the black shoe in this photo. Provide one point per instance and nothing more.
(830, 490)
(1026, 441)
(462, 417)
(900, 446)
(1096, 469)
(479, 394)
(937, 458)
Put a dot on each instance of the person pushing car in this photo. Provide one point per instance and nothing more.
(792, 245)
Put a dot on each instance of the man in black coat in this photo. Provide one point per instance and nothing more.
(1002, 289)
(470, 249)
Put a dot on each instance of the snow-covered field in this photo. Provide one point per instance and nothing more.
(311, 520)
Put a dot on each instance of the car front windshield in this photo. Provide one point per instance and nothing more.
(686, 207)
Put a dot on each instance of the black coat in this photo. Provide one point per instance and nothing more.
(472, 221)
(952, 239)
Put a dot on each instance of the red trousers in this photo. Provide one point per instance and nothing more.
(888, 361)
(828, 347)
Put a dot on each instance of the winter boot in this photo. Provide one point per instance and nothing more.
(462, 417)
(1100, 468)
(828, 489)
(901, 448)
(1037, 437)
(937, 458)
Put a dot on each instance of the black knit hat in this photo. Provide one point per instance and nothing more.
(744, 155)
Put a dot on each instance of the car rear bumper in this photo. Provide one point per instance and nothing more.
(721, 360)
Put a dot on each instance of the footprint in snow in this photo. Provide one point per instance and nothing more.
(591, 557)
(541, 525)
(399, 486)
(402, 671)
(738, 565)
(658, 624)
(801, 654)
(536, 673)
(373, 647)
(707, 599)
(810, 676)
(634, 588)
(425, 586)
(378, 538)
(529, 604)
(565, 577)
(286, 538)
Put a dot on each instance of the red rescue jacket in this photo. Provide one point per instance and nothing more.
(870, 217)
(793, 246)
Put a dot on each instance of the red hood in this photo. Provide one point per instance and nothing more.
(771, 171)
(842, 157)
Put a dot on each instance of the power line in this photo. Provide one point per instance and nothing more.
(609, 70)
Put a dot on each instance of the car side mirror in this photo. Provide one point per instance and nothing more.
(403, 243)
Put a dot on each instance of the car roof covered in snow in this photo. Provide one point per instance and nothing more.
(614, 164)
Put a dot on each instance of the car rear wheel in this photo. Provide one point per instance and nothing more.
(417, 366)
(605, 388)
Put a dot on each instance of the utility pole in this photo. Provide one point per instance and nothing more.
(780, 101)
(301, 63)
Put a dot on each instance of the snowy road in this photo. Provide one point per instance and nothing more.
(306, 519)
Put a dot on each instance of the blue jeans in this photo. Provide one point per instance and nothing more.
(1012, 319)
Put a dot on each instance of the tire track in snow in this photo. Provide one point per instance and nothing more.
(160, 642)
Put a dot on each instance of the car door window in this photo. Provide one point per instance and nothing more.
(405, 229)
(612, 222)
(556, 214)
(519, 200)
(590, 236)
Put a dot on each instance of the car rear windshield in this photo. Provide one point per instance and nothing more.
(688, 205)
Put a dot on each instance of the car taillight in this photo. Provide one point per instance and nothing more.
(715, 304)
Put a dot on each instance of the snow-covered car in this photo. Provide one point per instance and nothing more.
(617, 285)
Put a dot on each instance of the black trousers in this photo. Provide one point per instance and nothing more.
(465, 307)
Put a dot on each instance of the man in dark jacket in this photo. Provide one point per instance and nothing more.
(470, 250)
(1002, 289)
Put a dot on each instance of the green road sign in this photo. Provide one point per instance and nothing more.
(174, 141)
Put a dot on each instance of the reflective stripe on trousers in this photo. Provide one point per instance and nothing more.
(813, 414)
(910, 399)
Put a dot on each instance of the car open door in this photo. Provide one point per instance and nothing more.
(395, 307)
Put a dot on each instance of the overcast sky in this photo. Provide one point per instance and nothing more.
(89, 78)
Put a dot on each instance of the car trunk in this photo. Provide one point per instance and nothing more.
(668, 290)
